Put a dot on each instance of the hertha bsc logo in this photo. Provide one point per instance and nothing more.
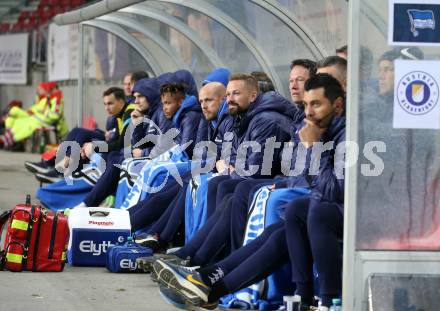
(417, 92)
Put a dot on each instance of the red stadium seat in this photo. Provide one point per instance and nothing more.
(43, 20)
(65, 3)
(23, 15)
(76, 3)
(44, 2)
(18, 26)
(46, 13)
(34, 14)
(52, 12)
(30, 24)
(60, 9)
(41, 9)
(5, 27)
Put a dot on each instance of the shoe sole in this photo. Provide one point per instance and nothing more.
(204, 307)
(141, 241)
(167, 277)
(46, 180)
(146, 263)
(35, 169)
(179, 302)
(153, 276)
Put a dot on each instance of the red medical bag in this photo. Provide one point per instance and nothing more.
(36, 239)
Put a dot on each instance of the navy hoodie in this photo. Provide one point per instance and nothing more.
(335, 133)
(266, 117)
(187, 120)
(328, 185)
(180, 76)
(150, 88)
(218, 75)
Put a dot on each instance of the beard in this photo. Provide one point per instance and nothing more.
(210, 117)
(233, 109)
(323, 122)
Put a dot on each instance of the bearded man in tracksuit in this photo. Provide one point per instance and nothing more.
(311, 232)
(259, 118)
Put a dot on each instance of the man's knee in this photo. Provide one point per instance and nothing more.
(321, 214)
(297, 210)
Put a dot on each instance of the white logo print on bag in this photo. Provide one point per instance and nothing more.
(128, 264)
(87, 246)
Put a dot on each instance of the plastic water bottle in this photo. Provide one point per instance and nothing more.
(110, 201)
(42, 143)
(291, 303)
(28, 199)
(66, 212)
(336, 305)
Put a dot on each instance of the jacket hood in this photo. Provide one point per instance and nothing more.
(180, 76)
(129, 99)
(270, 101)
(218, 75)
(150, 88)
(190, 103)
(185, 77)
(48, 86)
(222, 113)
(57, 94)
(337, 125)
(265, 102)
(295, 112)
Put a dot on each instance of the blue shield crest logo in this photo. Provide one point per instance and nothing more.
(417, 92)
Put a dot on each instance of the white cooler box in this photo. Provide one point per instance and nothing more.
(92, 233)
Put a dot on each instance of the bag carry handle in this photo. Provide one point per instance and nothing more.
(4, 218)
(105, 210)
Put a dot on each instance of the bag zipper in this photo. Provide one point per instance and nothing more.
(52, 236)
(37, 242)
(29, 236)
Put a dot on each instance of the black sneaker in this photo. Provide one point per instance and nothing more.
(148, 240)
(50, 177)
(184, 280)
(147, 263)
(43, 167)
